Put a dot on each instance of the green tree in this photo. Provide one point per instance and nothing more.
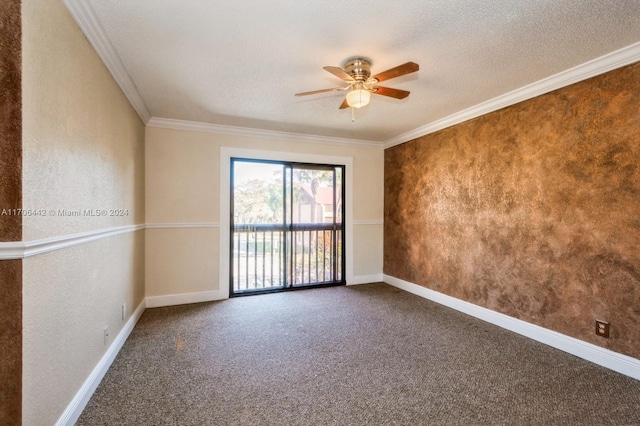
(258, 201)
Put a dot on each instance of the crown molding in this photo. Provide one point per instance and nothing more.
(86, 19)
(609, 62)
(89, 24)
(196, 126)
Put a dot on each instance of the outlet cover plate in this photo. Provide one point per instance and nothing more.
(602, 328)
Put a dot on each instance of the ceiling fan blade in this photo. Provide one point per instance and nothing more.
(388, 91)
(344, 104)
(315, 92)
(339, 72)
(403, 69)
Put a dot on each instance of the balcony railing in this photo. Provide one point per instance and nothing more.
(277, 256)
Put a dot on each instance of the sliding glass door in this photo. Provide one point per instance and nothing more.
(287, 225)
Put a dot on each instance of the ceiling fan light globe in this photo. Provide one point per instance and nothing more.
(358, 98)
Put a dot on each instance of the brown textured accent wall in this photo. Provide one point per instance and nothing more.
(10, 198)
(10, 119)
(532, 211)
(10, 342)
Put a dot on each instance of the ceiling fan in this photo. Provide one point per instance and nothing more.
(360, 82)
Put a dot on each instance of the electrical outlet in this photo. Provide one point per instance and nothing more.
(106, 335)
(124, 311)
(602, 328)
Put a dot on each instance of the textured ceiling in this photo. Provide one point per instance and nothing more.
(239, 63)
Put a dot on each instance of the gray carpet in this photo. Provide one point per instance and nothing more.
(363, 355)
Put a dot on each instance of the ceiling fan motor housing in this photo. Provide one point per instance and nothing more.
(358, 68)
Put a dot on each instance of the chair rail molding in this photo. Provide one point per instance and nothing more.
(24, 249)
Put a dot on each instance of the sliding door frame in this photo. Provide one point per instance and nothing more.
(226, 153)
(289, 226)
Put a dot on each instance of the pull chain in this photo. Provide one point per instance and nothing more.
(353, 115)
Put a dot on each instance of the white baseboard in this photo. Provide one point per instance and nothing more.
(612, 360)
(74, 409)
(184, 298)
(365, 279)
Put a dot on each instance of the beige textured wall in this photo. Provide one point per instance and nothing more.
(182, 172)
(70, 295)
(183, 186)
(367, 249)
(531, 211)
(78, 130)
(83, 148)
(181, 261)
